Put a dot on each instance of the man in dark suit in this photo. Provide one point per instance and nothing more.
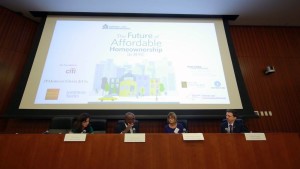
(129, 125)
(232, 124)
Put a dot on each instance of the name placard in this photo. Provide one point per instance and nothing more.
(192, 136)
(136, 137)
(75, 137)
(255, 136)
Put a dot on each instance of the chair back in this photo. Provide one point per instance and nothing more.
(99, 125)
(60, 124)
(184, 123)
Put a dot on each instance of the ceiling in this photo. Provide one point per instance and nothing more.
(251, 12)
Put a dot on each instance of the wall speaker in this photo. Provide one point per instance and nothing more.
(269, 70)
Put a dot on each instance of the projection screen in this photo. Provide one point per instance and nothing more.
(108, 63)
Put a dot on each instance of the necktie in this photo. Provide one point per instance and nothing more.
(230, 128)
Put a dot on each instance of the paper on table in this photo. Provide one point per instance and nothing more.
(255, 136)
(75, 137)
(192, 136)
(137, 137)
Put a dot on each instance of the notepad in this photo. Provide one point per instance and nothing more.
(136, 137)
(255, 136)
(75, 137)
(192, 136)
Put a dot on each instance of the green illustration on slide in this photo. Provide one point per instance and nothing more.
(139, 81)
(127, 88)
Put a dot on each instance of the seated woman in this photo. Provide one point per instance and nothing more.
(173, 126)
(82, 124)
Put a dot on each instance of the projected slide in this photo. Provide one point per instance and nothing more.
(98, 62)
(132, 63)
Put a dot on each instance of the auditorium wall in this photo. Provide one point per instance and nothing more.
(275, 97)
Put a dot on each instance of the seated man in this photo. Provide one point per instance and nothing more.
(232, 124)
(128, 125)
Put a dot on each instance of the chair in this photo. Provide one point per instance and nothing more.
(61, 124)
(184, 123)
(99, 125)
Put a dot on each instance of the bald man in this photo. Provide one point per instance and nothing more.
(129, 125)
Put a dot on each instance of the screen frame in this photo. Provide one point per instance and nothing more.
(15, 112)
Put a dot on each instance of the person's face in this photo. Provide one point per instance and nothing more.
(172, 119)
(86, 122)
(130, 119)
(230, 118)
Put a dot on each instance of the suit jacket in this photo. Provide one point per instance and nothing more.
(238, 126)
(121, 127)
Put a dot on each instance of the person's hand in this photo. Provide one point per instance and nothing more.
(129, 126)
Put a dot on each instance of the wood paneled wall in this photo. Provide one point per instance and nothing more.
(256, 47)
(16, 39)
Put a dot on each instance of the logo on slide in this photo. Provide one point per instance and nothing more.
(105, 26)
(71, 71)
(52, 94)
(217, 83)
